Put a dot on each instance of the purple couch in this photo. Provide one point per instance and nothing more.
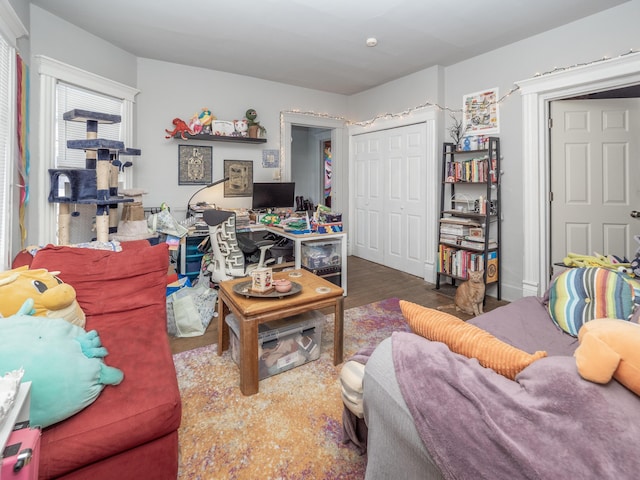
(434, 414)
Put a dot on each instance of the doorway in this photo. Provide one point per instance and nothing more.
(537, 93)
(302, 137)
(309, 163)
(594, 165)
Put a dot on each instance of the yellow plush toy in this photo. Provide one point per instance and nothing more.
(52, 298)
(610, 348)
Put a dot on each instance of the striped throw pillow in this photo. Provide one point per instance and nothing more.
(583, 294)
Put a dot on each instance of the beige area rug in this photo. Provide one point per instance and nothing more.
(292, 428)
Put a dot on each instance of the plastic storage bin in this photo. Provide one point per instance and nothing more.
(320, 254)
(282, 344)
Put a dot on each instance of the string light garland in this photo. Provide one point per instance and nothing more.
(409, 111)
(428, 104)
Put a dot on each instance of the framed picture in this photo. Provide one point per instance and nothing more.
(271, 158)
(240, 175)
(480, 113)
(194, 165)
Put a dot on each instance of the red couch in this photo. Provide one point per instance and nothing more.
(131, 430)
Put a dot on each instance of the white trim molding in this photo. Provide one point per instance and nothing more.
(537, 93)
(11, 27)
(50, 72)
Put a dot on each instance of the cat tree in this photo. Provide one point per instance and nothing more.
(97, 183)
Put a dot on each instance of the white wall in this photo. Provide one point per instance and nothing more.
(169, 90)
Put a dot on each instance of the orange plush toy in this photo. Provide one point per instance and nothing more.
(610, 348)
(52, 298)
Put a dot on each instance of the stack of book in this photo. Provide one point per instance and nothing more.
(477, 243)
(454, 230)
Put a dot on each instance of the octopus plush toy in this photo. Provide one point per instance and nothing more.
(63, 362)
(51, 297)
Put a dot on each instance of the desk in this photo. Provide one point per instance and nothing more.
(299, 239)
(252, 311)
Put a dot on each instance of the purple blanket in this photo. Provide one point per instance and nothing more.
(549, 423)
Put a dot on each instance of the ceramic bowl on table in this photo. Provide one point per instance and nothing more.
(282, 285)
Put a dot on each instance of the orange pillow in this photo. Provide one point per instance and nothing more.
(467, 339)
(609, 349)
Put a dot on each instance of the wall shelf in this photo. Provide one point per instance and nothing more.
(220, 138)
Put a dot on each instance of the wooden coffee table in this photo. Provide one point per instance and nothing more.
(316, 293)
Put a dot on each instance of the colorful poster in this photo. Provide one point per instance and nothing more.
(480, 113)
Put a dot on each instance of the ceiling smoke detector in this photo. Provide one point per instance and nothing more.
(371, 42)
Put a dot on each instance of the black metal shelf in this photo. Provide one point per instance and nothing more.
(488, 221)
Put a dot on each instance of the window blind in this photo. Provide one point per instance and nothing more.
(69, 97)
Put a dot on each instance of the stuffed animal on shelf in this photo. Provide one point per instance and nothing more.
(51, 297)
(255, 129)
(181, 128)
(206, 118)
(240, 128)
(194, 124)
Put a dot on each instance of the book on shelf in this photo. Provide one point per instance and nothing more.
(478, 242)
(471, 170)
(455, 262)
(459, 221)
(450, 238)
(476, 245)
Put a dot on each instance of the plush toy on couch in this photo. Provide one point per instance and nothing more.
(51, 297)
(63, 361)
(609, 349)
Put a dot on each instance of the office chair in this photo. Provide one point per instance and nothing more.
(228, 254)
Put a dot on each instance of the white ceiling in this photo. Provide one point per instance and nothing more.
(318, 44)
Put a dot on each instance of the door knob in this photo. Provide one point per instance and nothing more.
(635, 214)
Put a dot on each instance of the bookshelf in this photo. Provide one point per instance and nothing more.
(469, 225)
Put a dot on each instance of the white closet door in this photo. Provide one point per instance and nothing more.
(368, 198)
(390, 200)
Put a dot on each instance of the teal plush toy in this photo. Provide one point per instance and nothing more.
(64, 362)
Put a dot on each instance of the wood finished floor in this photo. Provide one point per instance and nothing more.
(368, 282)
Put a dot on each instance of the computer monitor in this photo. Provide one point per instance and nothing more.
(273, 195)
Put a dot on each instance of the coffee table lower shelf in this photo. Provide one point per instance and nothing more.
(316, 293)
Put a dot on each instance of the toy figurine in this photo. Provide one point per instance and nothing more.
(255, 129)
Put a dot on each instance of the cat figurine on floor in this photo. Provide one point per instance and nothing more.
(470, 294)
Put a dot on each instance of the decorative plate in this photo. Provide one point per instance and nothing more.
(244, 288)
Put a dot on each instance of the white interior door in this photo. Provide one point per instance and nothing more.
(390, 201)
(368, 198)
(595, 166)
(405, 162)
